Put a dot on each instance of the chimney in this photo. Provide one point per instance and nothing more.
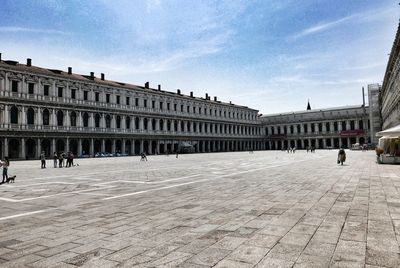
(215, 98)
(102, 76)
(191, 94)
(159, 87)
(178, 91)
(92, 75)
(146, 85)
(206, 96)
(230, 102)
(28, 62)
(69, 70)
(363, 96)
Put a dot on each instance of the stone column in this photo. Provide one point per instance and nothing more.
(150, 147)
(38, 148)
(340, 142)
(113, 146)
(347, 124)
(141, 124)
(324, 143)
(79, 147)
(67, 145)
(123, 146)
(5, 153)
(103, 145)
(132, 147)
(53, 145)
(92, 147)
(22, 149)
(158, 147)
(157, 124)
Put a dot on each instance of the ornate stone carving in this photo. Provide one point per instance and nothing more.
(15, 76)
(32, 78)
(2, 74)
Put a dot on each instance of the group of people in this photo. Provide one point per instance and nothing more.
(5, 164)
(311, 149)
(59, 159)
(291, 150)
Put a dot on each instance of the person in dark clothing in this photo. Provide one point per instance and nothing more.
(5, 164)
(341, 156)
(43, 160)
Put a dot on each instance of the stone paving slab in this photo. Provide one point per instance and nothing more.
(266, 209)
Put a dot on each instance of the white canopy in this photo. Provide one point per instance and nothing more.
(390, 132)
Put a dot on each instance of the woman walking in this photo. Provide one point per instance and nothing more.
(341, 156)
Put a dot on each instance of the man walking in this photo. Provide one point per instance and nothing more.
(43, 160)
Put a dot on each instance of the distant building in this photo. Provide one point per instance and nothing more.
(374, 111)
(54, 111)
(320, 128)
(390, 93)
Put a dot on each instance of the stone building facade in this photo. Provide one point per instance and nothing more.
(390, 93)
(321, 129)
(52, 111)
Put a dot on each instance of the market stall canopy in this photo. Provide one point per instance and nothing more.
(390, 132)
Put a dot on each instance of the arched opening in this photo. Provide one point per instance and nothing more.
(30, 149)
(118, 146)
(73, 119)
(137, 147)
(85, 120)
(175, 126)
(60, 146)
(352, 141)
(162, 148)
(118, 121)
(168, 125)
(30, 116)
(360, 124)
(14, 115)
(336, 143)
(60, 118)
(97, 146)
(13, 149)
(182, 125)
(73, 147)
(128, 147)
(145, 122)
(146, 147)
(320, 143)
(108, 121)
(46, 147)
(154, 147)
(85, 147)
(362, 140)
(306, 144)
(128, 122)
(136, 123)
(108, 146)
(344, 143)
(161, 125)
(97, 120)
(328, 143)
(153, 124)
(46, 117)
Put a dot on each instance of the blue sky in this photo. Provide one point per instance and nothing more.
(270, 55)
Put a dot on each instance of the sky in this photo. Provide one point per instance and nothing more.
(269, 55)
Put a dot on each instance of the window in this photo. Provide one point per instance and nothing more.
(97, 96)
(30, 116)
(108, 121)
(85, 95)
(97, 120)
(161, 105)
(60, 118)
(73, 119)
(118, 121)
(153, 104)
(108, 98)
(46, 90)
(194, 110)
(14, 115)
(181, 107)
(30, 88)
(188, 109)
(128, 101)
(145, 103)
(168, 106)
(46, 117)
(118, 99)
(73, 93)
(85, 120)
(127, 122)
(136, 101)
(60, 92)
(14, 86)
(175, 106)
(199, 110)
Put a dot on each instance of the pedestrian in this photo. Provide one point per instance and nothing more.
(55, 158)
(71, 163)
(143, 157)
(341, 156)
(5, 164)
(43, 160)
(60, 160)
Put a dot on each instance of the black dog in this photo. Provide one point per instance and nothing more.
(11, 179)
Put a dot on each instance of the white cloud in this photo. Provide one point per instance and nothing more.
(14, 29)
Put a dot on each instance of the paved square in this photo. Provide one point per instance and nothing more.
(266, 209)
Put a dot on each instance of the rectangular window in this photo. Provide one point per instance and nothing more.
(199, 110)
(46, 90)
(14, 86)
(194, 110)
(136, 101)
(97, 96)
(188, 109)
(73, 93)
(60, 92)
(145, 103)
(175, 106)
(153, 104)
(168, 106)
(30, 88)
(85, 95)
(128, 101)
(118, 99)
(108, 98)
(182, 108)
(161, 105)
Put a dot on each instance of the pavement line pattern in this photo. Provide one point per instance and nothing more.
(23, 214)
